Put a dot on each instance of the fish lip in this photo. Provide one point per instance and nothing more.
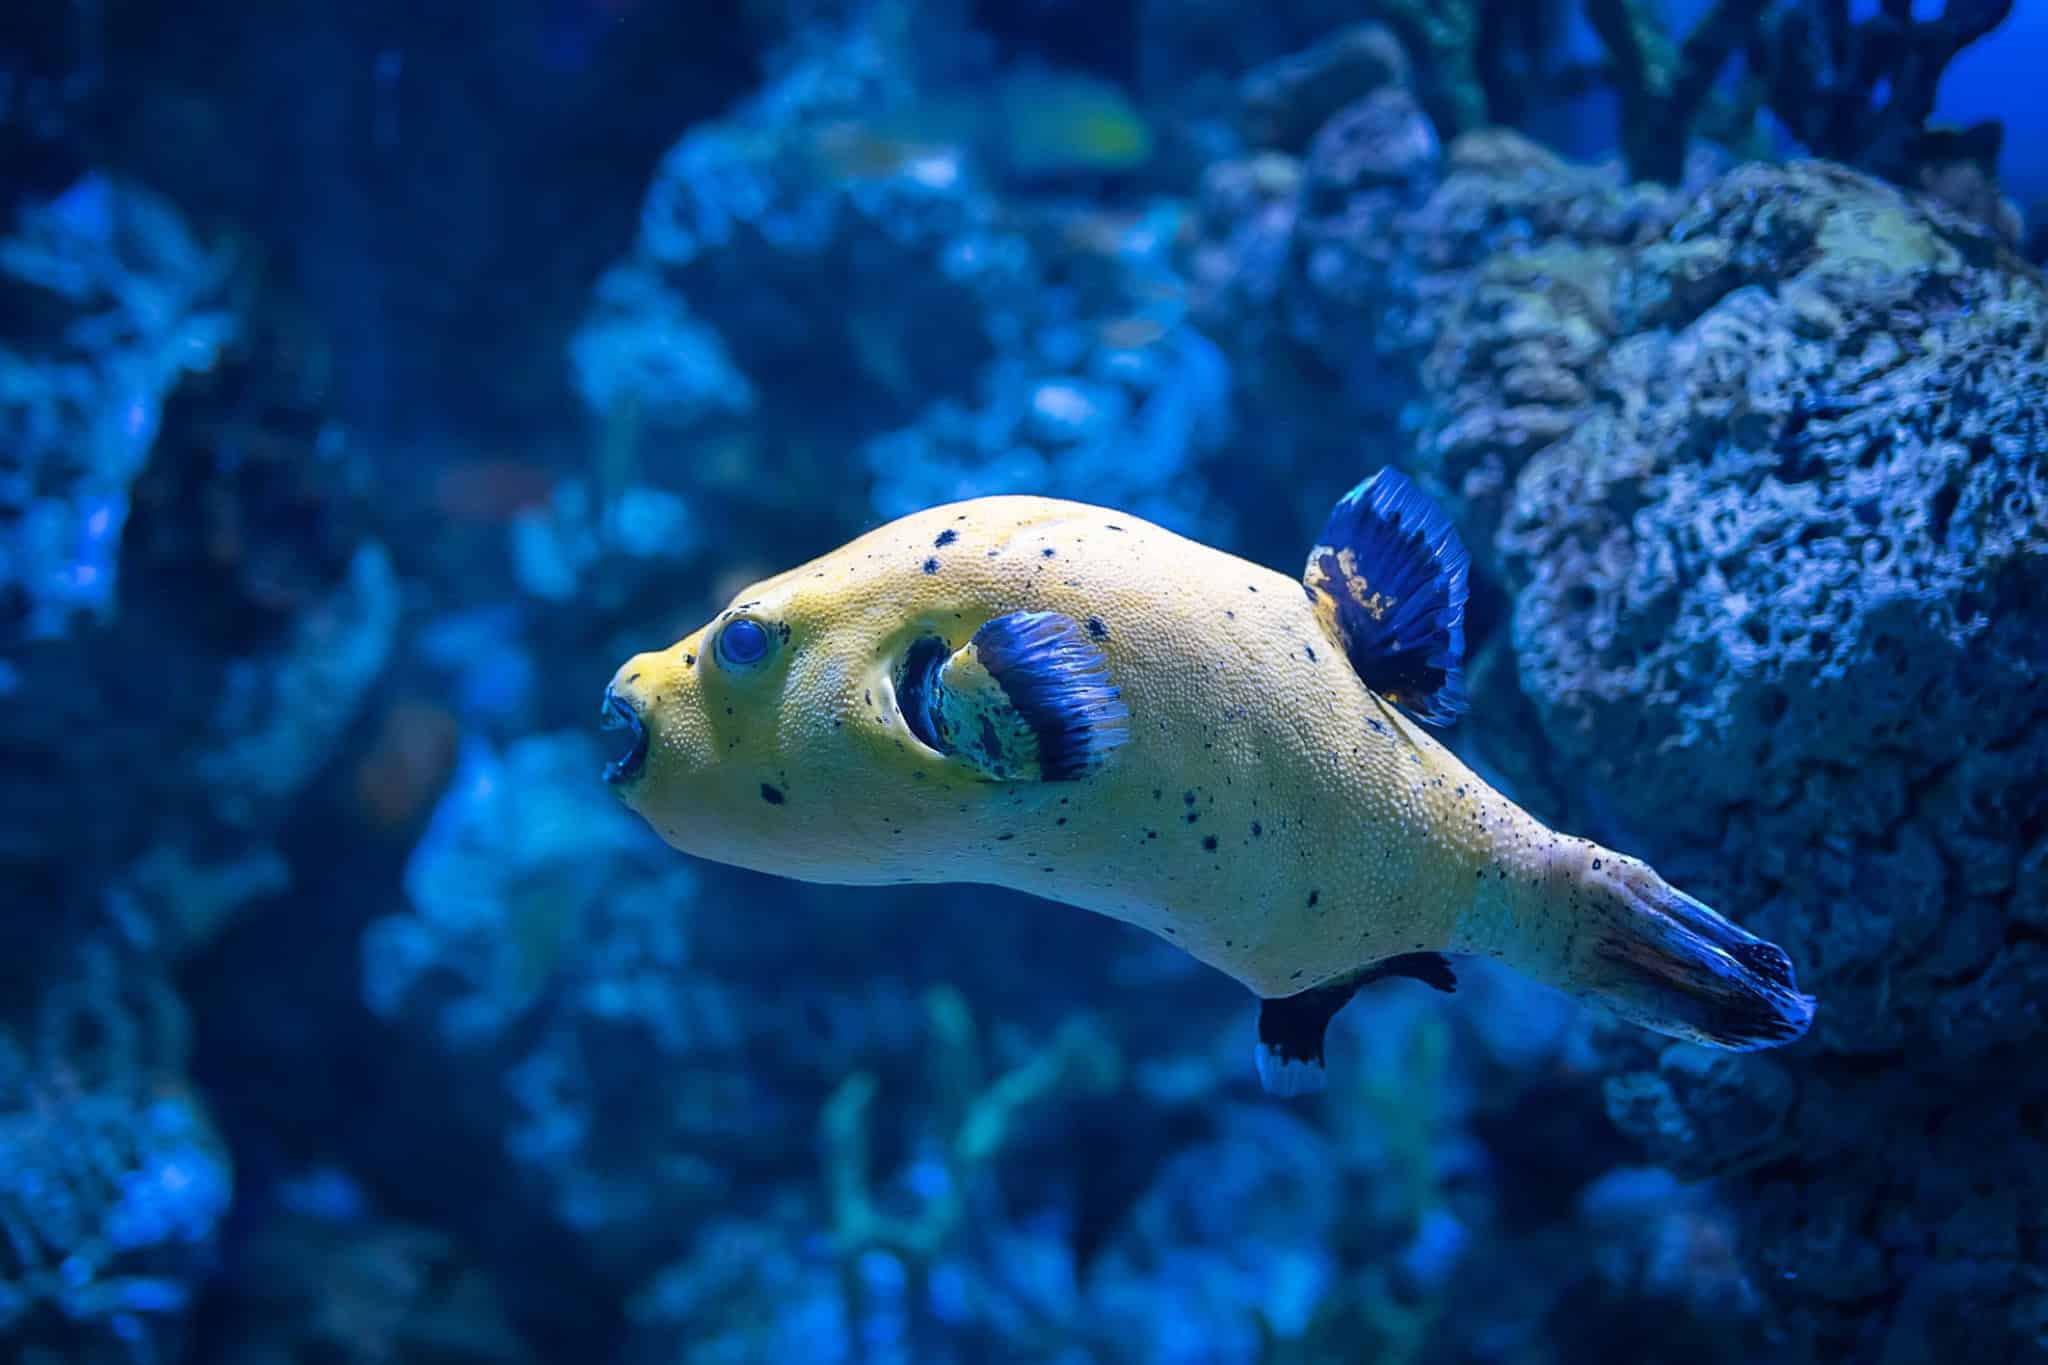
(618, 714)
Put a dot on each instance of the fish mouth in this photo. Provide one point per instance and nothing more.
(618, 714)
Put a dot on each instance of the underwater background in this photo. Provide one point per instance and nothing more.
(375, 377)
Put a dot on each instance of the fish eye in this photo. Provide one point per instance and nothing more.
(742, 642)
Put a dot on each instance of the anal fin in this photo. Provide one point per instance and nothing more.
(1290, 1055)
(1291, 1028)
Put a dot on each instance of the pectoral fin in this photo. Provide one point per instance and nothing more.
(1027, 699)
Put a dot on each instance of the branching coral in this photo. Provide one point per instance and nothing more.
(981, 1112)
(1861, 91)
(1664, 88)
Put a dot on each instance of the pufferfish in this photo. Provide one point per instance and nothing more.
(1071, 702)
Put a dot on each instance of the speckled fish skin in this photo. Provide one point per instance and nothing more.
(1269, 814)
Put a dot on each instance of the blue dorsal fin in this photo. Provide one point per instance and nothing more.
(1027, 699)
(1389, 580)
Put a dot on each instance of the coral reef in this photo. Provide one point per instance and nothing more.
(1795, 572)
(115, 1182)
(110, 303)
(1068, 365)
(344, 1013)
(818, 234)
(1755, 468)
(1106, 392)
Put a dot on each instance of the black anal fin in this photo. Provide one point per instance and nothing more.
(1291, 1028)
(1389, 579)
(1290, 1055)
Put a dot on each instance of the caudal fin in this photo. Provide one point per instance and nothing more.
(1657, 957)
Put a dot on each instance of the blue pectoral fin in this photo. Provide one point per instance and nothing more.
(1028, 698)
(1389, 577)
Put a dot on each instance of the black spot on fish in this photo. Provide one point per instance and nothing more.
(1047, 553)
(772, 795)
(1188, 797)
(1157, 792)
(932, 565)
(1314, 896)
(1112, 526)
(1596, 864)
(1257, 829)
(1231, 614)
(1061, 821)
(1193, 816)
(1209, 843)
(1309, 650)
(946, 537)
(1097, 630)
(1250, 588)
(1004, 838)
(728, 710)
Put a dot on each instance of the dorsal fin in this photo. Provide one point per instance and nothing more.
(1027, 699)
(1389, 580)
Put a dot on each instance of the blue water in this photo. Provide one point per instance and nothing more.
(375, 382)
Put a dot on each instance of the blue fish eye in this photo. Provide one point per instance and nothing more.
(742, 642)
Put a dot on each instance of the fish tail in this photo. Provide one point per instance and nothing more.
(1657, 957)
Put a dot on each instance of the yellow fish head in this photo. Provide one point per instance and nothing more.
(773, 737)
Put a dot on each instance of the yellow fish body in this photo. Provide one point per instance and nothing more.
(1072, 702)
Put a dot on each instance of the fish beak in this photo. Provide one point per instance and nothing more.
(618, 714)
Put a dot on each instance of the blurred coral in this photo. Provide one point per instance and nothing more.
(115, 1183)
(110, 304)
